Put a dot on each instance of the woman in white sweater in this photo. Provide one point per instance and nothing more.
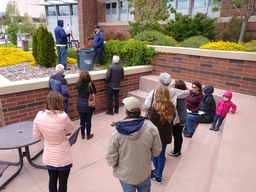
(51, 125)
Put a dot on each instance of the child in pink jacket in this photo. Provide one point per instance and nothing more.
(222, 109)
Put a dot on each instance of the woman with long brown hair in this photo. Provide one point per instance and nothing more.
(51, 125)
(85, 112)
(163, 114)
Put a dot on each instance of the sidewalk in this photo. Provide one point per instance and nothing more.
(90, 171)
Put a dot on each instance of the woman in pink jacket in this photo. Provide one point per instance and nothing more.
(51, 125)
(222, 109)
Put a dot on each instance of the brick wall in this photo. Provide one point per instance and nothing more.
(22, 106)
(227, 74)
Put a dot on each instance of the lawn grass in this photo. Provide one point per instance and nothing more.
(10, 44)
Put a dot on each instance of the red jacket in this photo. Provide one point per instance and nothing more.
(223, 107)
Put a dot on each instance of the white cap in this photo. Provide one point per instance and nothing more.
(131, 103)
(165, 79)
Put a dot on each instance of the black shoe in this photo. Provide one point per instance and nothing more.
(217, 128)
(116, 112)
(153, 173)
(188, 135)
(171, 153)
(109, 113)
(157, 180)
(184, 130)
(212, 128)
(83, 136)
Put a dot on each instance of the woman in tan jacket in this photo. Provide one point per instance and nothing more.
(51, 125)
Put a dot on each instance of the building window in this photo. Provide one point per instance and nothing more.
(63, 10)
(117, 10)
(74, 10)
(199, 3)
(182, 4)
(51, 10)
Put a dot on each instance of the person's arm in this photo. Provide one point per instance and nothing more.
(69, 125)
(148, 101)
(49, 84)
(64, 89)
(36, 132)
(122, 77)
(108, 74)
(112, 150)
(63, 34)
(233, 106)
(181, 94)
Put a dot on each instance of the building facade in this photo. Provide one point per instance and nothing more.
(114, 15)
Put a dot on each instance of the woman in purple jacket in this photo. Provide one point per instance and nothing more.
(222, 109)
(195, 97)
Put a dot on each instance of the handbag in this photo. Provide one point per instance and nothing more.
(93, 99)
(149, 112)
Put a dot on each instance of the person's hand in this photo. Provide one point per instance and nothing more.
(188, 111)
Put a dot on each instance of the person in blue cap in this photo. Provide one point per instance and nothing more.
(98, 44)
(61, 43)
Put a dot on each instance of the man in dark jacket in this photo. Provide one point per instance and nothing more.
(114, 76)
(206, 111)
(58, 83)
(61, 43)
(98, 43)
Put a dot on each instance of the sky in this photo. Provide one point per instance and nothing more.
(3, 5)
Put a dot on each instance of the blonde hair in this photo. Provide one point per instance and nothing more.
(163, 105)
(54, 102)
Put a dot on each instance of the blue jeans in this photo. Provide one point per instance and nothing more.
(189, 124)
(62, 55)
(216, 118)
(142, 187)
(85, 121)
(159, 162)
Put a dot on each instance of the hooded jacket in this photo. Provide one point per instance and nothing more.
(60, 34)
(58, 83)
(130, 149)
(223, 107)
(207, 105)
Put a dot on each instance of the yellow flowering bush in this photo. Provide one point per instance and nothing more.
(11, 56)
(226, 46)
(176, 43)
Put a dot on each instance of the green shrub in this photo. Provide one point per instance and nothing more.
(230, 31)
(131, 52)
(154, 38)
(138, 26)
(43, 49)
(184, 27)
(226, 46)
(72, 53)
(194, 42)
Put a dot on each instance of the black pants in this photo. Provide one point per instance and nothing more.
(112, 92)
(98, 52)
(178, 139)
(63, 180)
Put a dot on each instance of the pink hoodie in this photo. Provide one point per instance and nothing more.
(223, 107)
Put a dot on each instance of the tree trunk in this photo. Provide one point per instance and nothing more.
(242, 32)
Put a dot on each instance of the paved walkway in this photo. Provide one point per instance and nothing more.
(90, 171)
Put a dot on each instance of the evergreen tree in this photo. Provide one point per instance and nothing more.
(44, 52)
